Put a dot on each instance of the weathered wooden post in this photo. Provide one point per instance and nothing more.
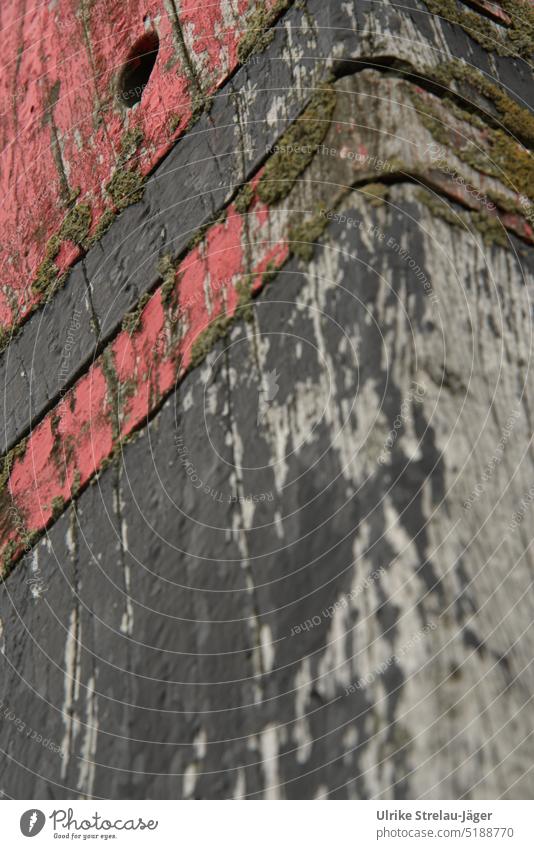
(266, 324)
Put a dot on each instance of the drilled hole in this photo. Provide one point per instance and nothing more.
(137, 69)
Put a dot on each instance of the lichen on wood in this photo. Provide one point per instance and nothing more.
(297, 147)
(132, 320)
(517, 39)
(125, 187)
(302, 236)
(257, 36)
(516, 119)
(76, 225)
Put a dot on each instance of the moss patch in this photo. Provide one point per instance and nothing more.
(297, 147)
(125, 187)
(244, 199)
(52, 247)
(113, 389)
(257, 37)
(218, 329)
(200, 103)
(18, 451)
(303, 235)
(76, 483)
(504, 159)
(515, 118)
(167, 272)
(76, 225)
(517, 39)
(489, 226)
(516, 163)
(74, 229)
(376, 192)
(47, 278)
(58, 505)
(132, 320)
(244, 304)
(270, 273)
(200, 234)
(174, 122)
(520, 36)
(106, 220)
(130, 142)
(47, 275)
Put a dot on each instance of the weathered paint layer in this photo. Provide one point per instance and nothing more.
(74, 153)
(173, 328)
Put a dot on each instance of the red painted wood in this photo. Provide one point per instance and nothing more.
(62, 124)
(72, 442)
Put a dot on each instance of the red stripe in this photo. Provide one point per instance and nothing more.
(54, 57)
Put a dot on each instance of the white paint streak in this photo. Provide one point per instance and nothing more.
(269, 757)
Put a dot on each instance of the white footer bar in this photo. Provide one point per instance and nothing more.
(268, 825)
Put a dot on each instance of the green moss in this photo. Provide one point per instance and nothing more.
(440, 209)
(489, 226)
(297, 147)
(516, 163)
(106, 220)
(132, 320)
(199, 104)
(507, 204)
(47, 278)
(58, 505)
(167, 272)
(5, 336)
(7, 557)
(74, 229)
(130, 142)
(518, 38)
(504, 159)
(270, 273)
(478, 27)
(198, 237)
(303, 235)
(125, 187)
(244, 199)
(55, 421)
(18, 451)
(244, 292)
(30, 538)
(126, 389)
(257, 37)
(73, 195)
(77, 223)
(174, 121)
(112, 382)
(520, 35)
(377, 193)
(218, 329)
(515, 118)
(76, 483)
(430, 117)
(47, 275)
(52, 248)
